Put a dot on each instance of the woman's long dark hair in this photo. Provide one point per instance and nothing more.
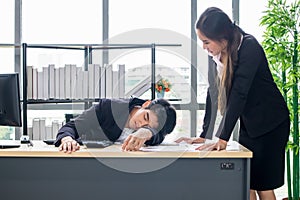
(217, 26)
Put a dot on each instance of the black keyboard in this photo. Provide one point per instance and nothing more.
(97, 144)
(51, 141)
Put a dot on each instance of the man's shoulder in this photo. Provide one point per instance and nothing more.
(111, 104)
(105, 101)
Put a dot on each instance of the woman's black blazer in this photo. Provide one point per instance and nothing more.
(253, 97)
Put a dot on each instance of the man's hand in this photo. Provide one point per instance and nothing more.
(220, 145)
(192, 140)
(68, 145)
(136, 140)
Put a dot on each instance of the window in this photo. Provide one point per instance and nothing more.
(251, 24)
(154, 21)
(135, 14)
(58, 22)
(7, 18)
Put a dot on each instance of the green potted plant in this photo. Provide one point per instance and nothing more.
(281, 43)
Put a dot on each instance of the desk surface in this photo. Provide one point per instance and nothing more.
(40, 149)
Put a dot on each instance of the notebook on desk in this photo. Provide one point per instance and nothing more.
(9, 144)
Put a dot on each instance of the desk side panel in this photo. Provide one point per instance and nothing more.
(87, 178)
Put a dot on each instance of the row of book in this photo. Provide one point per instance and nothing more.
(72, 82)
(40, 131)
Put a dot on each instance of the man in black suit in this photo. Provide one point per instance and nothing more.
(133, 121)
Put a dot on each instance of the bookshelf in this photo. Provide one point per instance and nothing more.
(87, 49)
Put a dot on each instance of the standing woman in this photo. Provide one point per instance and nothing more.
(241, 87)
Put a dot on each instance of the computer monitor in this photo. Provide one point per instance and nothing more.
(10, 108)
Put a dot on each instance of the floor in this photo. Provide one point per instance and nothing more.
(281, 192)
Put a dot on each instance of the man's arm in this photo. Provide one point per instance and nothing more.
(69, 130)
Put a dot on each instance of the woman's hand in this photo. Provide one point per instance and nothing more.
(68, 145)
(220, 145)
(192, 140)
(136, 140)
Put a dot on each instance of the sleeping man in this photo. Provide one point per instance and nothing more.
(134, 122)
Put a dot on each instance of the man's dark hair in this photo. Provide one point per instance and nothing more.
(166, 115)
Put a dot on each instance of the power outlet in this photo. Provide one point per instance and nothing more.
(227, 165)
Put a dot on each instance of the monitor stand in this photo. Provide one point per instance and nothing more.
(25, 140)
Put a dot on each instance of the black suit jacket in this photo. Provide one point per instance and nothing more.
(105, 121)
(254, 96)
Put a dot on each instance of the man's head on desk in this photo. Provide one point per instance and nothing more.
(158, 115)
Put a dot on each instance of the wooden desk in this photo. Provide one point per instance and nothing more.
(41, 172)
